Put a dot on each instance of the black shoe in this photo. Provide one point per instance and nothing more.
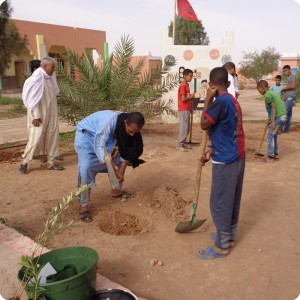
(23, 168)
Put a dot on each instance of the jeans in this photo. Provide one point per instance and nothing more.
(289, 103)
(273, 135)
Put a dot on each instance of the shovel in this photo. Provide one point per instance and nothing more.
(194, 223)
(261, 142)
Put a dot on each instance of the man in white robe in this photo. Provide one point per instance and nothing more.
(39, 96)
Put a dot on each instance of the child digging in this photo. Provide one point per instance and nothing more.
(223, 117)
(276, 118)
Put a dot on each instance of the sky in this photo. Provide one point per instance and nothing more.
(257, 24)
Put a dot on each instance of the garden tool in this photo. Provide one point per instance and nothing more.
(194, 223)
(261, 142)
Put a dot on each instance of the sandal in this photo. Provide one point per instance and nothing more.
(85, 216)
(210, 253)
(56, 167)
(124, 194)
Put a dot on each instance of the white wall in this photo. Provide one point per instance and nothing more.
(200, 58)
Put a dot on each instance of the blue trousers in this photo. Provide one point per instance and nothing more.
(289, 104)
(88, 163)
(225, 200)
(273, 148)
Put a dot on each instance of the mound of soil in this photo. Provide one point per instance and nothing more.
(168, 201)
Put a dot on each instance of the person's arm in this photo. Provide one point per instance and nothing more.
(188, 97)
(36, 116)
(206, 156)
(211, 93)
(291, 86)
(120, 172)
(104, 135)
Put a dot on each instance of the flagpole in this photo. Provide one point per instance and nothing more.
(174, 22)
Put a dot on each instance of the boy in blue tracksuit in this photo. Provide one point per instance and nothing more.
(222, 116)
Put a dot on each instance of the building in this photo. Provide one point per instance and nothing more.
(201, 59)
(53, 40)
(292, 59)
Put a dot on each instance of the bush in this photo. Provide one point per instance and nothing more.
(16, 104)
(8, 100)
(242, 85)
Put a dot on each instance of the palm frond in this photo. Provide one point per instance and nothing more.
(118, 84)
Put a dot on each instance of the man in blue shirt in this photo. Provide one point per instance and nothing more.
(107, 129)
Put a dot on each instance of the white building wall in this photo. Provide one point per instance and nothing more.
(201, 59)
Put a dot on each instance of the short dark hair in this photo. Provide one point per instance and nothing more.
(187, 72)
(204, 80)
(229, 65)
(278, 77)
(286, 67)
(219, 76)
(262, 83)
(135, 118)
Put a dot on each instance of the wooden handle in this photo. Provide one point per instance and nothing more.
(262, 138)
(199, 167)
(191, 121)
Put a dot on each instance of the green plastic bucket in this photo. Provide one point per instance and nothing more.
(81, 286)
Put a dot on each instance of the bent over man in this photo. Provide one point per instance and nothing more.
(107, 134)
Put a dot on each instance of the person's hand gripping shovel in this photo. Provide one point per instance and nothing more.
(114, 182)
(194, 223)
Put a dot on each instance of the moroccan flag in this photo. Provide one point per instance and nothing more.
(186, 11)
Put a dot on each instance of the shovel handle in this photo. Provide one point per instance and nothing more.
(199, 168)
(262, 138)
(191, 121)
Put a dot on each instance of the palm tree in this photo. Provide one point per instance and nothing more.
(116, 85)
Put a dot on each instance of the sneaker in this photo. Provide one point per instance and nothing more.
(23, 168)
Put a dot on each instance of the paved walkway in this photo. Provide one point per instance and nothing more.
(15, 130)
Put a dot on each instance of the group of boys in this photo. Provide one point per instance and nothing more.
(279, 102)
(222, 118)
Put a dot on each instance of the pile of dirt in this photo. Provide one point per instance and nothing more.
(168, 201)
(121, 223)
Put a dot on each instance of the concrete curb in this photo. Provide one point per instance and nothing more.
(12, 245)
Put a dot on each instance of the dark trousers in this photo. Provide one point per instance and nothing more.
(225, 200)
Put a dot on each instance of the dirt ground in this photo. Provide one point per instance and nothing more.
(130, 234)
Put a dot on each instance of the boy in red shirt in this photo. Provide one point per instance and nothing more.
(184, 109)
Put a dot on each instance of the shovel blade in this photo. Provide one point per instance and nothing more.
(187, 226)
(259, 154)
